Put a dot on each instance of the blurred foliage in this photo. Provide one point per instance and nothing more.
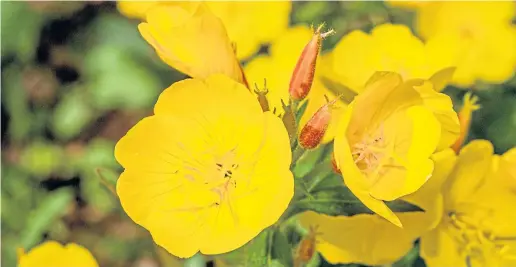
(77, 75)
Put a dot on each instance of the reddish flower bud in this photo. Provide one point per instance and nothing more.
(312, 133)
(303, 75)
(307, 247)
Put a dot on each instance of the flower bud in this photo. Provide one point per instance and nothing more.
(313, 132)
(307, 247)
(303, 75)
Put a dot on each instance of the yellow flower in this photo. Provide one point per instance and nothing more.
(406, 4)
(477, 226)
(191, 39)
(371, 240)
(51, 253)
(209, 171)
(277, 68)
(135, 9)
(245, 22)
(386, 137)
(388, 48)
(478, 37)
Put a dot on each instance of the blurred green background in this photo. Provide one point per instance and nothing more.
(77, 75)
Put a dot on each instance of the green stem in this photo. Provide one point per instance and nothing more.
(319, 172)
(298, 152)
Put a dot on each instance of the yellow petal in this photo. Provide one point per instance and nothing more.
(422, 136)
(364, 239)
(135, 9)
(52, 253)
(353, 177)
(442, 108)
(193, 96)
(442, 78)
(272, 188)
(352, 61)
(438, 249)
(279, 66)
(192, 40)
(472, 167)
(246, 25)
(368, 104)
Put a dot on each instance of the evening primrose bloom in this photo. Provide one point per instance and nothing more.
(191, 39)
(208, 171)
(52, 253)
(386, 137)
(477, 226)
(244, 21)
(389, 47)
(370, 239)
(477, 37)
(278, 67)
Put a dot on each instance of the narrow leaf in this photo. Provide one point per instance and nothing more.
(50, 209)
(281, 249)
(339, 200)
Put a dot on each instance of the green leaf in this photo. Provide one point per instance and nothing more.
(116, 80)
(281, 249)
(308, 160)
(339, 200)
(276, 263)
(310, 11)
(41, 158)
(97, 194)
(49, 210)
(196, 261)
(20, 29)
(99, 154)
(254, 253)
(409, 259)
(15, 100)
(346, 94)
(71, 115)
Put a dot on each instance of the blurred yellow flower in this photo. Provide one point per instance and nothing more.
(209, 171)
(52, 253)
(371, 240)
(406, 4)
(388, 48)
(245, 22)
(387, 135)
(277, 68)
(478, 37)
(191, 39)
(136, 9)
(477, 226)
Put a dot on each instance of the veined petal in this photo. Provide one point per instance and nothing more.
(442, 108)
(417, 134)
(180, 36)
(353, 177)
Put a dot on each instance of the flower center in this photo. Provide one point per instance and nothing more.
(370, 153)
(476, 244)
